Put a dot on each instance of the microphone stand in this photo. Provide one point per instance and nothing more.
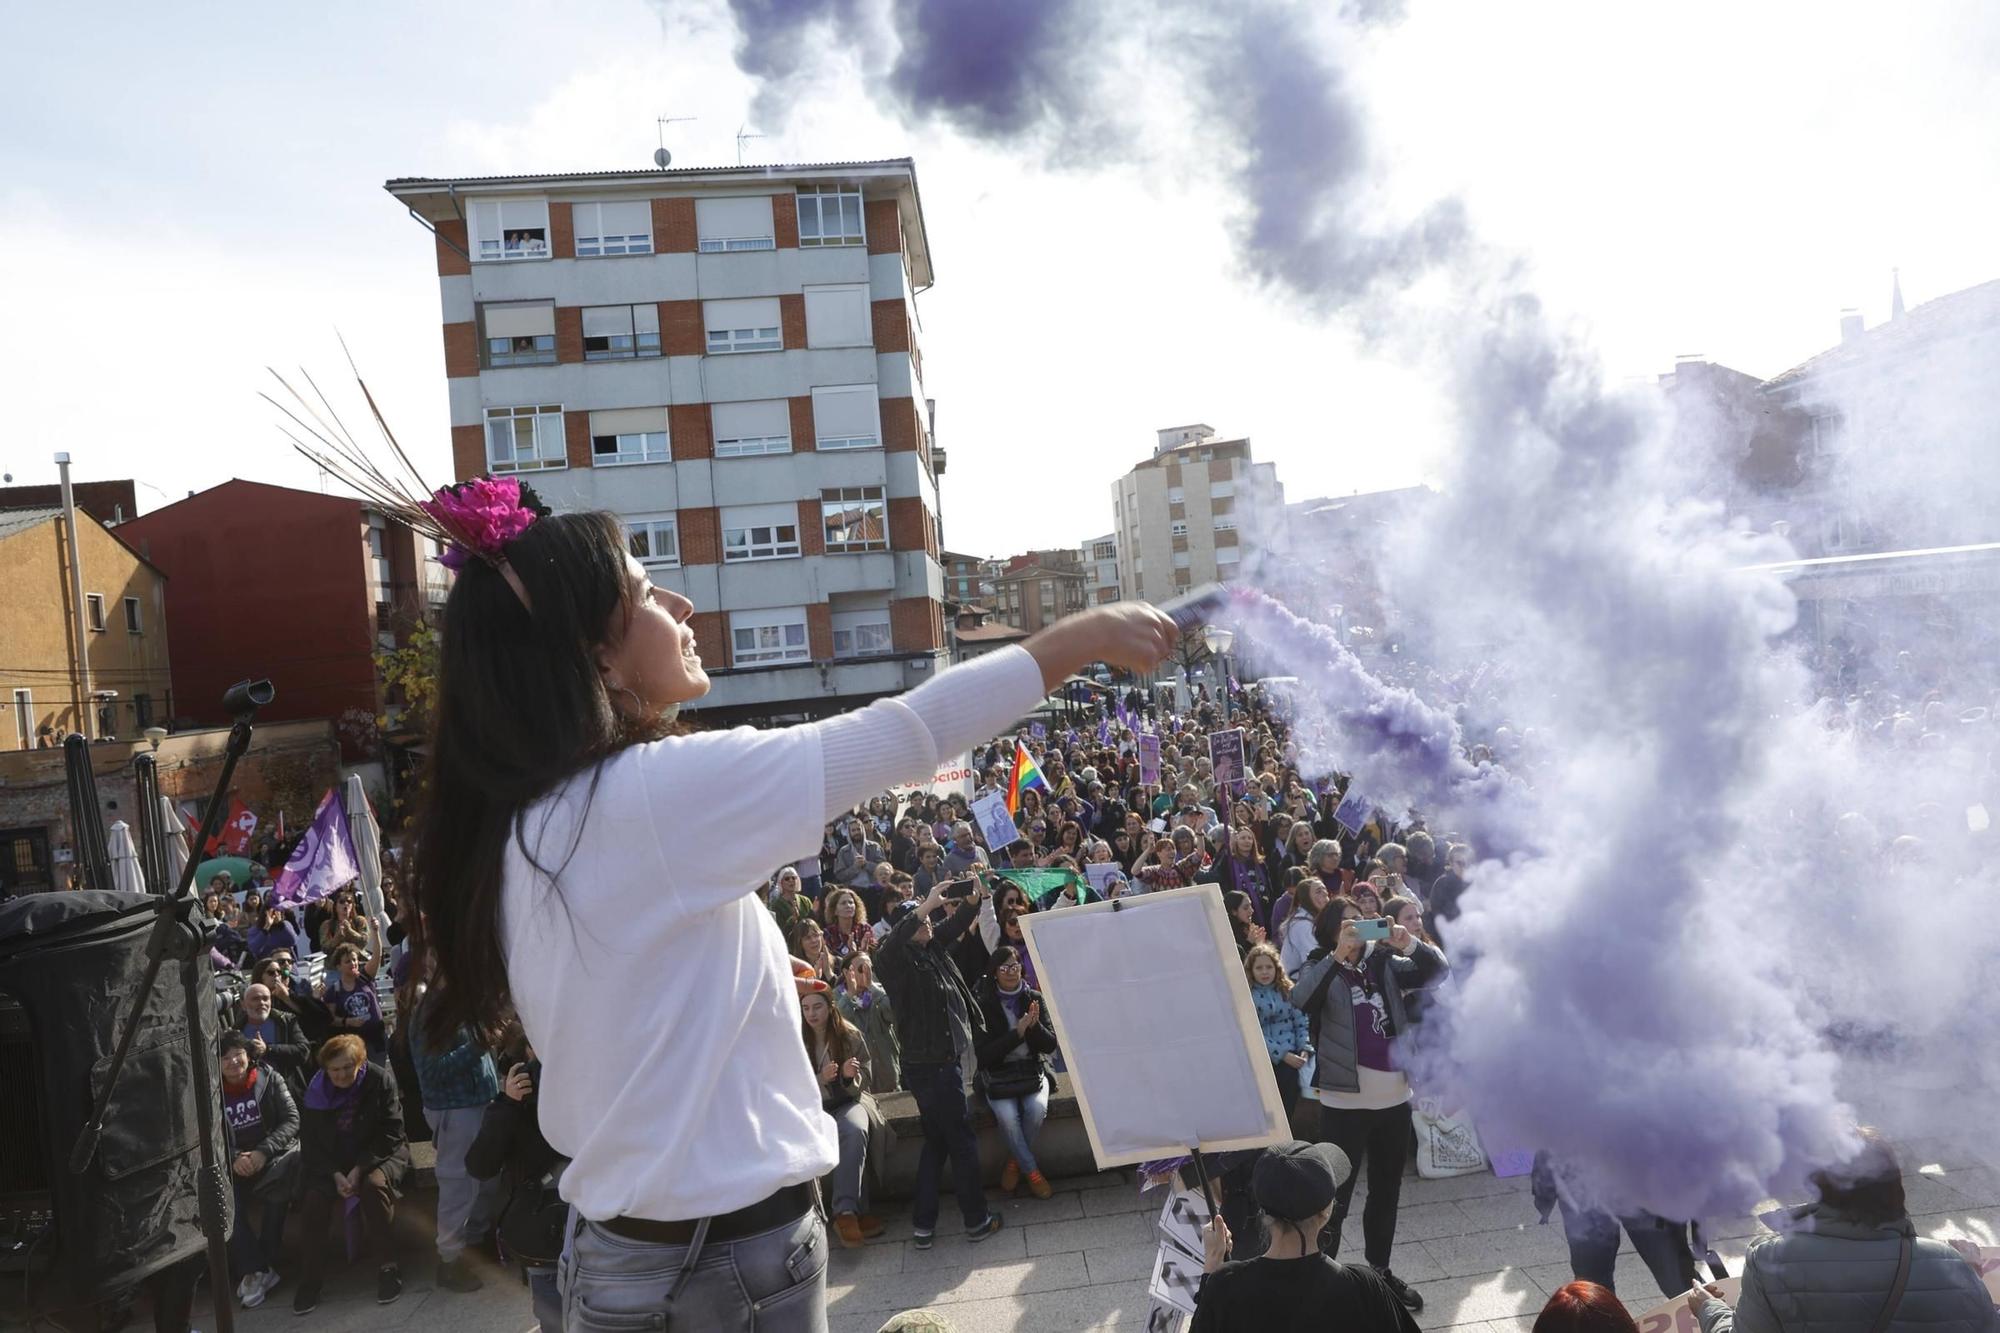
(180, 931)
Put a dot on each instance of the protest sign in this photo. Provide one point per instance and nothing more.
(953, 778)
(1038, 731)
(1176, 1279)
(1225, 753)
(1354, 809)
(1102, 875)
(995, 824)
(1182, 1218)
(1149, 759)
(1144, 989)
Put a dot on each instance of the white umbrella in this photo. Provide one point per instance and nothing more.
(367, 846)
(126, 876)
(177, 845)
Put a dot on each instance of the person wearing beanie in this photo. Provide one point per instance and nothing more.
(1292, 1287)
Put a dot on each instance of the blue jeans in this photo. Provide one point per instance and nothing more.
(1020, 1121)
(774, 1282)
(547, 1300)
(947, 1126)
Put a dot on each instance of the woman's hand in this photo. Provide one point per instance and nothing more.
(828, 1072)
(851, 1070)
(518, 1084)
(1402, 941)
(1129, 635)
(1255, 934)
(1214, 1244)
(1698, 1299)
(1029, 1017)
(1295, 1060)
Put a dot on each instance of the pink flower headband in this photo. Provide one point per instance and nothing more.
(473, 519)
(480, 517)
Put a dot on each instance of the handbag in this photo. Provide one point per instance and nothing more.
(1012, 1079)
(1896, 1289)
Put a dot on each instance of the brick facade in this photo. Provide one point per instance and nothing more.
(461, 350)
(701, 536)
(576, 438)
(907, 525)
(792, 320)
(711, 638)
(819, 631)
(569, 333)
(916, 624)
(785, 222)
(673, 227)
(689, 433)
(681, 331)
(562, 232)
(892, 325)
(884, 225)
(805, 439)
(468, 451)
(453, 262)
(812, 531)
(900, 430)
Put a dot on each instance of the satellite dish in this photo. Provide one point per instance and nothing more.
(661, 157)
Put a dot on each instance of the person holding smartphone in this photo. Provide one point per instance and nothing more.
(1352, 992)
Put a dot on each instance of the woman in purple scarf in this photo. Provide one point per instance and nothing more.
(352, 1156)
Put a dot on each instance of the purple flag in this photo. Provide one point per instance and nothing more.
(324, 859)
(1104, 731)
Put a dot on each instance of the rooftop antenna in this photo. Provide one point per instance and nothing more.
(661, 157)
(743, 135)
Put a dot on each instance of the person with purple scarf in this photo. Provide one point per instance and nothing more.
(352, 1155)
(1242, 870)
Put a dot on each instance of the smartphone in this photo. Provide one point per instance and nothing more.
(1191, 610)
(960, 888)
(1372, 928)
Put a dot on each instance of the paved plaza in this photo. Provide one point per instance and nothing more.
(1080, 1260)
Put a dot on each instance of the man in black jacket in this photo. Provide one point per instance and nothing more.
(941, 1027)
(275, 1039)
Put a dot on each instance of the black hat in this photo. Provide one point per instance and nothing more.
(1294, 1181)
(897, 911)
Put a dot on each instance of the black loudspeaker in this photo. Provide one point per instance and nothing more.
(70, 968)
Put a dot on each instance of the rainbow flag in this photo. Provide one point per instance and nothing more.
(1024, 776)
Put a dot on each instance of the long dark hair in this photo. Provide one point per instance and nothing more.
(522, 707)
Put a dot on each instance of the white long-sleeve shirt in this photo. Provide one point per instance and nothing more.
(657, 989)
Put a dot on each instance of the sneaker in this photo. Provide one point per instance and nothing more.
(1010, 1176)
(871, 1225)
(1403, 1291)
(1038, 1185)
(388, 1284)
(306, 1299)
(984, 1229)
(246, 1288)
(922, 1239)
(271, 1283)
(848, 1227)
(457, 1275)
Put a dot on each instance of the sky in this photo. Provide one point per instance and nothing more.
(190, 195)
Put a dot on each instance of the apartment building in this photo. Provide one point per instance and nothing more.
(1180, 514)
(966, 578)
(1100, 569)
(104, 673)
(728, 359)
(1038, 588)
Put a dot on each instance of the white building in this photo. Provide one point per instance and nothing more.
(728, 359)
(1180, 513)
(1100, 569)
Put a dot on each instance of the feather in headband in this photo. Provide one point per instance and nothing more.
(473, 519)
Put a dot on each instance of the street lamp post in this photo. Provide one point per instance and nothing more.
(1219, 642)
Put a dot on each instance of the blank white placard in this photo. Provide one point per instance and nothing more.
(1149, 1000)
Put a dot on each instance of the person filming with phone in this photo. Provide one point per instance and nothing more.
(1352, 992)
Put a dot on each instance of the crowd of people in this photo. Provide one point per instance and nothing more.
(912, 975)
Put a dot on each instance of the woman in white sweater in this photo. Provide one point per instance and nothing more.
(575, 847)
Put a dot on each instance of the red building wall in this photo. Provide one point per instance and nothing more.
(265, 581)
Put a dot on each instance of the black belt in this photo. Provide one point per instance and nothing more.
(787, 1205)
